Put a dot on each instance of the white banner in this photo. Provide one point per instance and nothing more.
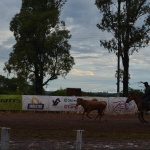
(115, 105)
(49, 103)
(34, 102)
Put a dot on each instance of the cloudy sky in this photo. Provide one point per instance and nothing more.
(95, 68)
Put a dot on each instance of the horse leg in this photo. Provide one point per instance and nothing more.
(83, 114)
(87, 114)
(142, 117)
(99, 115)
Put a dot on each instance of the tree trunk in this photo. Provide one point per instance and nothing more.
(125, 76)
(126, 52)
(38, 82)
(38, 86)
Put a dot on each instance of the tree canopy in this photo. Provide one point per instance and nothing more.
(41, 52)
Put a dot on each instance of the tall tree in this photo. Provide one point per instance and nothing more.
(131, 37)
(41, 52)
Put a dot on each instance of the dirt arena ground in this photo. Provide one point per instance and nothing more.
(57, 131)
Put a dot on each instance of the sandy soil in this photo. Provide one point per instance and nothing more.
(57, 131)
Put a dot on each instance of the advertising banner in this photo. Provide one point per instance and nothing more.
(115, 105)
(48, 103)
(35, 102)
(10, 102)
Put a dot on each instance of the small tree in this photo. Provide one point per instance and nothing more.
(41, 52)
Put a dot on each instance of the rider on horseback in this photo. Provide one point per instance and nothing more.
(146, 97)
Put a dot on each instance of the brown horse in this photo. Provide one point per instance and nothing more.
(140, 105)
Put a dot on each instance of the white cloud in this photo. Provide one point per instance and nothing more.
(81, 72)
(5, 35)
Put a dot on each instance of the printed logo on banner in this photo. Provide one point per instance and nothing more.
(55, 102)
(35, 104)
(70, 104)
(121, 106)
(70, 100)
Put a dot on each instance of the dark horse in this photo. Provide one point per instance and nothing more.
(140, 105)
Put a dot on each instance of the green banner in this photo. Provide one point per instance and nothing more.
(10, 102)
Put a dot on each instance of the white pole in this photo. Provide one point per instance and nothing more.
(5, 136)
(79, 140)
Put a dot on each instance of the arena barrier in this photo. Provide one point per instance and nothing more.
(11, 102)
(115, 105)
